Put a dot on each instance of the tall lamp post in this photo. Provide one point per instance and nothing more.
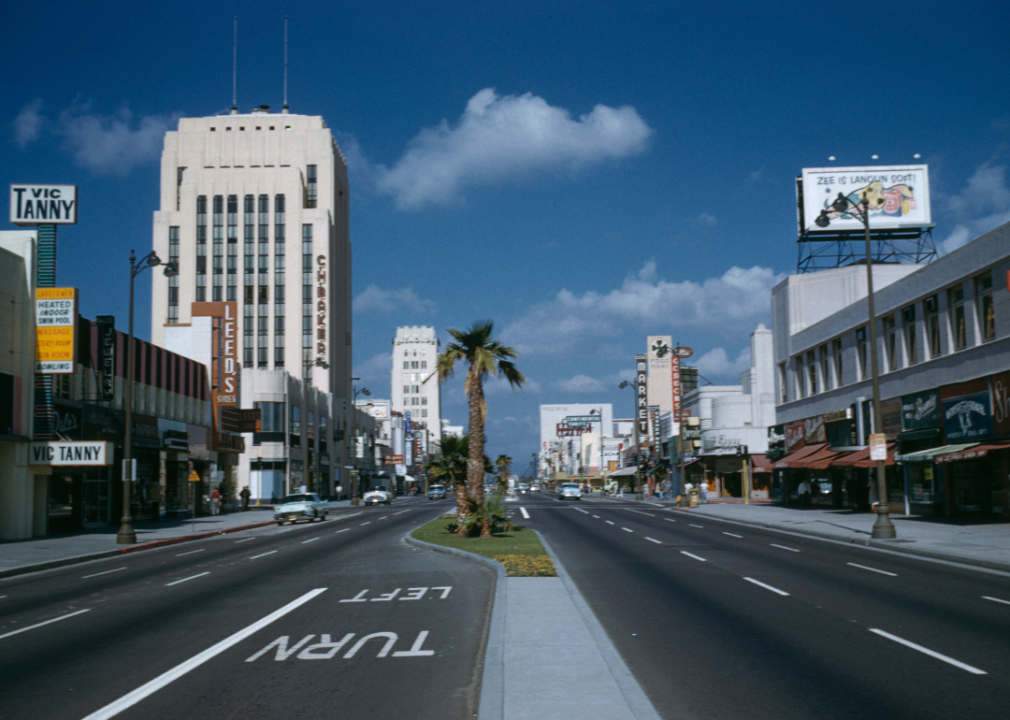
(883, 528)
(127, 535)
(355, 391)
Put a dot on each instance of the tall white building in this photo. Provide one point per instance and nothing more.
(414, 382)
(254, 209)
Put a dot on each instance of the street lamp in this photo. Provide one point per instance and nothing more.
(126, 534)
(883, 528)
(355, 391)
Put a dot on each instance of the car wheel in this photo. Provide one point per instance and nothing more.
(280, 524)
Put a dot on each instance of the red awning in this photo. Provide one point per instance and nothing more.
(819, 460)
(861, 458)
(789, 460)
(760, 463)
(975, 453)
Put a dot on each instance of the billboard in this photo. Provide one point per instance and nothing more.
(43, 204)
(55, 330)
(898, 197)
(224, 365)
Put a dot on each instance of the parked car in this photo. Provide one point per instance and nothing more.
(377, 495)
(522, 488)
(301, 506)
(569, 491)
(436, 492)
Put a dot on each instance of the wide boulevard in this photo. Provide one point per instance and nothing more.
(719, 620)
(330, 619)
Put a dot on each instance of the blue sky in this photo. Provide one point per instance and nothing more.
(584, 174)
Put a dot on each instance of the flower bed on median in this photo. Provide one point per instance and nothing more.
(519, 551)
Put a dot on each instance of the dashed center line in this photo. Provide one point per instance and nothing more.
(596, 516)
(702, 527)
(402, 511)
(766, 587)
(733, 535)
(584, 512)
(658, 542)
(340, 531)
(244, 540)
(669, 519)
(984, 597)
(191, 577)
(692, 555)
(263, 555)
(103, 573)
(384, 517)
(783, 547)
(45, 622)
(882, 572)
(305, 542)
(927, 651)
(523, 511)
(191, 552)
(609, 522)
(627, 529)
(366, 523)
(639, 512)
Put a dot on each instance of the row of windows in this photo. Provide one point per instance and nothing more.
(413, 364)
(920, 337)
(414, 400)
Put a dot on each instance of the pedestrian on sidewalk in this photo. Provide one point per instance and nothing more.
(704, 491)
(804, 492)
(215, 502)
(245, 498)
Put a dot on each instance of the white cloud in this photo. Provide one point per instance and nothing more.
(716, 364)
(501, 386)
(375, 374)
(28, 123)
(729, 306)
(507, 138)
(375, 299)
(705, 220)
(580, 384)
(984, 204)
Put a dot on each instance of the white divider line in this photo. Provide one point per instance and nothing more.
(984, 597)
(244, 540)
(658, 542)
(384, 517)
(131, 699)
(366, 523)
(627, 529)
(102, 573)
(596, 516)
(402, 511)
(700, 527)
(882, 572)
(191, 552)
(766, 587)
(733, 535)
(191, 577)
(659, 505)
(783, 547)
(306, 542)
(523, 511)
(584, 512)
(609, 522)
(927, 651)
(45, 622)
(340, 531)
(692, 555)
(263, 555)
(669, 519)
(639, 512)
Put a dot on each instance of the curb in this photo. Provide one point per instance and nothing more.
(866, 542)
(63, 562)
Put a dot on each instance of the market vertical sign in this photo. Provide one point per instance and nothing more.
(642, 391)
(43, 204)
(55, 330)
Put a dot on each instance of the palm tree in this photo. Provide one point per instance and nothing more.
(503, 463)
(450, 466)
(487, 357)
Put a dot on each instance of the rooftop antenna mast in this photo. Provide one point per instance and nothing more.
(285, 108)
(234, 68)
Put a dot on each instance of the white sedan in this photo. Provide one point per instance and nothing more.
(377, 495)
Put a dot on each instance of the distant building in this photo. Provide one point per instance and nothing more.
(415, 388)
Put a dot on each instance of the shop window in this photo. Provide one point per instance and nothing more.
(958, 331)
(983, 303)
(931, 306)
(825, 367)
(864, 371)
(908, 325)
(812, 372)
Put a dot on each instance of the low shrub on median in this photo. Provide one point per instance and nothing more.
(520, 550)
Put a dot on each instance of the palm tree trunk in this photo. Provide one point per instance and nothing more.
(460, 507)
(475, 456)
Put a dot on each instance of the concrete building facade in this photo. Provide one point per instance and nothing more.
(414, 385)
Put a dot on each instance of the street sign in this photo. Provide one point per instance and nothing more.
(193, 476)
(878, 446)
(55, 330)
(394, 459)
(70, 453)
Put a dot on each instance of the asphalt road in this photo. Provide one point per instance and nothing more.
(718, 620)
(316, 620)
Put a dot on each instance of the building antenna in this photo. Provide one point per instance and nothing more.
(285, 108)
(234, 68)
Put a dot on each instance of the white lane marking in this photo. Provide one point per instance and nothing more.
(609, 522)
(701, 527)
(384, 517)
(639, 512)
(927, 651)
(627, 529)
(882, 572)
(984, 597)
(191, 577)
(306, 542)
(596, 516)
(102, 573)
(766, 587)
(783, 547)
(263, 555)
(131, 699)
(46, 622)
(191, 552)
(669, 519)
(523, 511)
(659, 505)
(2, 597)
(658, 542)
(691, 555)
(402, 511)
(733, 535)
(340, 531)
(584, 512)
(244, 540)
(366, 523)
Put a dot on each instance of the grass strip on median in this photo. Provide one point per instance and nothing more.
(519, 551)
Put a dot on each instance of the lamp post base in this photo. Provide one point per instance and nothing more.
(883, 528)
(126, 534)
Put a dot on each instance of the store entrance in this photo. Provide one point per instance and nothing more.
(66, 502)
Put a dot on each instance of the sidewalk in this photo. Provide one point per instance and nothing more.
(958, 540)
(20, 556)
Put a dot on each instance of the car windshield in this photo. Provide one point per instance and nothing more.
(437, 487)
(378, 487)
(569, 486)
(297, 498)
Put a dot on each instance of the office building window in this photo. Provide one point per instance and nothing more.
(424, 364)
(783, 387)
(825, 368)
(406, 364)
(247, 351)
(931, 305)
(890, 342)
(279, 218)
(984, 307)
(864, 370)
(406, 389)
(232, 218)
(908, 326)
(201, 288)
(836, 350)
(173, 282)
(310, 189)
(278, 350)
(232, 287)
(812, 372)
(249, 218)
(307, 304)
(955, 305)
(179, 172)
(201, 248)
(218, 237)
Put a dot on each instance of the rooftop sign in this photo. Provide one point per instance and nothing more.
(898, 197)
(43, 204)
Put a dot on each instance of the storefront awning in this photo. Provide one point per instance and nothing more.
(806, 451)
(819, 460)
(931, 454)
(624, 472)
(861, 458)
(979, 451)
(760, 463)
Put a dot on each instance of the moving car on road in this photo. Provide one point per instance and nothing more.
(522, 488)
(436, 492)
(569, 491)
(378, 495)
(301, 506)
